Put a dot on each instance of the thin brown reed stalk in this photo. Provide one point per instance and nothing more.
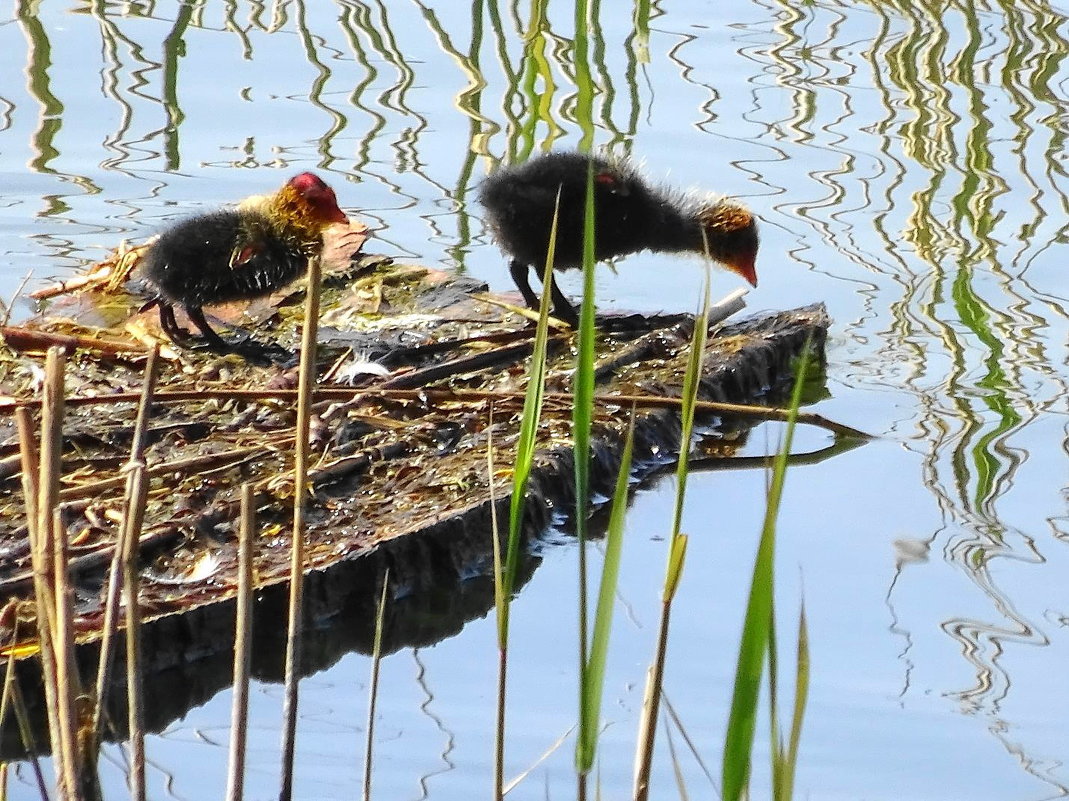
(677, 553)
(655, 674)
(135, 502)
(305, 386)
(28, 454)
(61, 723)
(9, 678)
(135, 712)
(239, 708)
(77, 767)
(438, 395)
(376, 664)
(26, 733)
(12, 698)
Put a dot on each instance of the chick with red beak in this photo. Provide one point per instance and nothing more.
(238, 254)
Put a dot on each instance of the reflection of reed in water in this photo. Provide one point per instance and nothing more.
(974, 242)
(50, 123)
(39, 60)
(367, 81)
(969, 135)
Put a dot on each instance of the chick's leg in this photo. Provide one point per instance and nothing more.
(520, 274)
(562, 307)
(196, 316)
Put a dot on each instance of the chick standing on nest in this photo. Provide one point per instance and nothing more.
(238, 254)
(629, 216)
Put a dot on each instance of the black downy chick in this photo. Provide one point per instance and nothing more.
(238, 254)
(629, 216)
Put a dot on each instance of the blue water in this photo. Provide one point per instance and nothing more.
(907, 164)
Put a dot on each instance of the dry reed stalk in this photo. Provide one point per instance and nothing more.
(62, 734)
(133, 521)
(68, 682)
(26, 733)
(437, 395)
(522, 311)
(135, 716)
(294, 634)
(28, 456)
(115, 579)
(9, 675)
(97, 275)
(28, 339)
(28, 452)
(210, 461)
(373, 692)
(730, 304)
(10, 466)
(651, 699)
(12, 697)
(239, 708)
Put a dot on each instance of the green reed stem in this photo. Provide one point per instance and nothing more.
(758, 630)
(582, 420)
(593, 678)
(521, 473)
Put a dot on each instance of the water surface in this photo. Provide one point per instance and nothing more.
(907, 160)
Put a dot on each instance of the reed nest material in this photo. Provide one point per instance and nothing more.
(400, 474)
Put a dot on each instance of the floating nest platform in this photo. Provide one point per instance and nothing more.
(420, 375)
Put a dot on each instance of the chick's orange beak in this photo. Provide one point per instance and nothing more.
(744, 264)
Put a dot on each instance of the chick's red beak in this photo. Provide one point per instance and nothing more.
(332, 211)
(337, 216)
(744, 264)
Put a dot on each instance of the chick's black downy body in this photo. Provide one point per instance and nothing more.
(629, 216)
(221, 257)
(238, 254)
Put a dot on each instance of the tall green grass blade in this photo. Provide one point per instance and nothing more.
(752, 647)
(583, 380)
(757, 625)
(505, 579)
(501, 606)
(527, 442)
(785, 759)
(499, 587)
(775, 740)
(801, 698)
(582, 420)
(690, 396)
(594, 675)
